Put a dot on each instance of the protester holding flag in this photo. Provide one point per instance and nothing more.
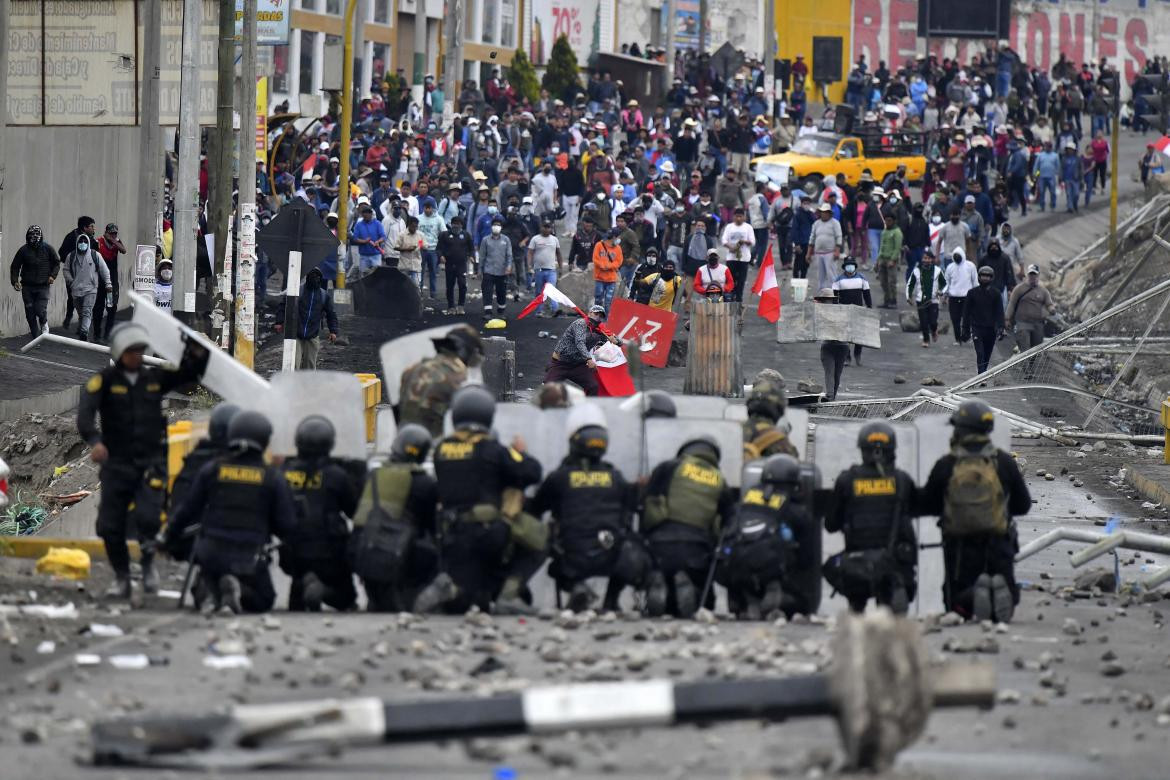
(572, 360)
(767, 289)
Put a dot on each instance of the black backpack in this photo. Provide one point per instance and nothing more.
(380, 551)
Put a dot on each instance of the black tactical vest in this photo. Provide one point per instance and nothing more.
(238, 504)
(873, 507)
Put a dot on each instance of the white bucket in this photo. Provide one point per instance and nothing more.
(799, 290)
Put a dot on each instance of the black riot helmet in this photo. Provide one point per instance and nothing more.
(411, 445)
(782, 471)
(589, 441)
(767, 399)
(217, 426)
(315, 437)
(249, 430)
(973, 417)
(704, 447)
(464, 341)
(472, 406)
(877, 442)
(658, 403)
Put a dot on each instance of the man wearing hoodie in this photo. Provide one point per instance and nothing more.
(961, 278)
(86, 275)
(34, 269)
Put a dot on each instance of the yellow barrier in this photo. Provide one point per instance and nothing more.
(182, 436)
(371, 394)
(37, 546)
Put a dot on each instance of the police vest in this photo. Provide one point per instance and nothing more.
(873, 506)
(591, 500)
(238, 505)
(692, 497)
(318, 523)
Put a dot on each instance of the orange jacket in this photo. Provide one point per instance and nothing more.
(606, 262)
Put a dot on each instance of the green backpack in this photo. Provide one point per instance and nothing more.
(975, 502)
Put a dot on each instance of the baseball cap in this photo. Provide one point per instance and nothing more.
(1033, 269)
(969, 199)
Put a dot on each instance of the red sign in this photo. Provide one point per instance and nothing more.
(654, 328)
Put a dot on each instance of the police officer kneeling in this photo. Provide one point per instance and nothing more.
(205, 451)
(686, 500)
(315, 556)
(873, 505)
(592, 505)
(490, 546)
(976, 490)
(241, 503)
(393, 546)
(762, 545)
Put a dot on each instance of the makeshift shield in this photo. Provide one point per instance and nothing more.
(224, 376)
(403, 352)
(810, 321)
(295, 395)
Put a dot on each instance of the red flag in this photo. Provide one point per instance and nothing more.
(1163, 145)
(767, 288)
(550, 293)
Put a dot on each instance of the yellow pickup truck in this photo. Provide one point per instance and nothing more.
(816, 155)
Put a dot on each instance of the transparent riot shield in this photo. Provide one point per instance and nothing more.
(835, 447)
(543, 431)
(403, 352)
(295, 395)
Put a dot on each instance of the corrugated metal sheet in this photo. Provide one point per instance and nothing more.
(714, 362)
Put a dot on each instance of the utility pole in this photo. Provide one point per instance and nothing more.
(770, 60)
(1114, 140)
(245, 308)
(703, 26)
(3, 113)
(420, 51)
(150, 134)
(187, 182)
(346, 121)
(669, 10)
(221, 178)
(453, 57)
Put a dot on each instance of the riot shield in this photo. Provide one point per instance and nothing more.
(224, 375)
(835, 448)
(810, 322)
(543, 431)
(295, 395)
(403, 352)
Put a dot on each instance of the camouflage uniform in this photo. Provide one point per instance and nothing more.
(427, 387)
(766, 404)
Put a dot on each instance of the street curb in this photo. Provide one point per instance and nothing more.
(1151, 481)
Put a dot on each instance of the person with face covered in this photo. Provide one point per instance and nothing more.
(572, 359)
(714, 280)
(961, 279)
(164, 286)
(666, 286)
(852, 289)
(34, 267)
(983, 313)
(87, 277)
(314, 309)
(924, 289)
(1004, 280)
(700, 243)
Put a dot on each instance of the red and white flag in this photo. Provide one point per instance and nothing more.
(767, 288)
(549, 293)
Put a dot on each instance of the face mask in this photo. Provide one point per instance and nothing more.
(985, 281)
(82, 247)
(601, 196)
(496, 230)
(850, 269)
(955, 219)
(493, 210)
(705, 202)
(165, 275)
(994, 251)
(555, 150)
(935, 219)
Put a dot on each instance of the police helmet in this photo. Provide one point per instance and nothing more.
(315, 436)
(589, 441)
(465, 342)
(702, 446)
(877, 442)
(249, 430)
(973, 416)
(127, 336)
(767, 399)
(658, 403)
(411, 445)
(472, 406)
(780, 470)
(217, 426)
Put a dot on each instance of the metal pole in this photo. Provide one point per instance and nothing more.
(220, 196)
(1113, 180)
(87, 345)
(670, 12)
(150, 134)
(3, 111)
(187, 184)
(453, 58)
(703, 27)
(770, 59)
(346, 121)
(245, 308)
(420, 51)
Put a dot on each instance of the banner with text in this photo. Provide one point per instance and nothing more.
(580, 20)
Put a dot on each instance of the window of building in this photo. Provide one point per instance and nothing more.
(306, 64)
(508, 23)
(308, 5)
(656, 26)
(381, 64)
(489, 21)
(382, 11)
(280, 69)
(469, 21)
(333, 7)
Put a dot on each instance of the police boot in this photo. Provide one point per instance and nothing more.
(441, 590)
(149, 574)
(685, 597)
(656, 594)
(773, 598)
(120, 588)
(312, 592)
(229, 593)
(510, 601)
(899, 599)
(751, 608)
(981, 598)
(1002, 603)
(581, 597)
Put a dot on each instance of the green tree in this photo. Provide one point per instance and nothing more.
(562, 78)
(522, 76)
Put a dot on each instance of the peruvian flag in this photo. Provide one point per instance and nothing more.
(549, 293)
(613, 371)
(767, 289)
(1163, 144)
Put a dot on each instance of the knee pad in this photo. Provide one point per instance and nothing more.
(632, 564)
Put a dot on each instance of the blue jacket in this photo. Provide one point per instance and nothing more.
(483, 228)
(1017, 163)
(1070, 168)
(368, 230)
(802, 222)
(1047, 165)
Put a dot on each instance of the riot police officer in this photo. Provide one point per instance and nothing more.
(766, 545)
(873, 504)
(241, 502)
(130, 447)
(592, 506)
(686, 500)
(490, 546)
(315, 556)
(393, 545)
(763, 432)
(977, 490)
(427, 386)
(206, 450)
